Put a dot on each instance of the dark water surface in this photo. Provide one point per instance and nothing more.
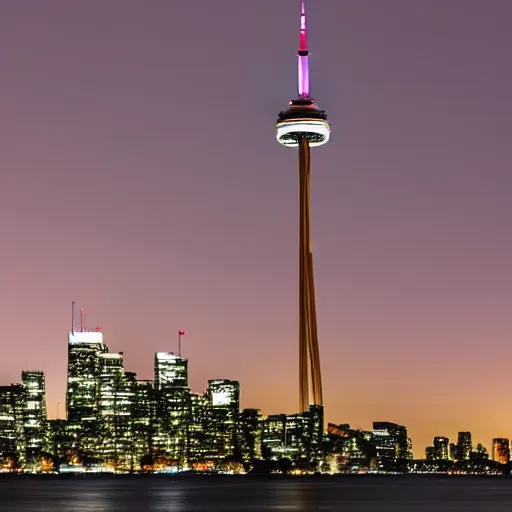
(225, 494)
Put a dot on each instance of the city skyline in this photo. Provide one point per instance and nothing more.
(163, 424)
(107, 199)
(162, 359)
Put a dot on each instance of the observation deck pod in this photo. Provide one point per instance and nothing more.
(303, 120)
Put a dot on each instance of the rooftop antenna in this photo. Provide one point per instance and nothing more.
(180, 334)
(82, 320)
(73, 317)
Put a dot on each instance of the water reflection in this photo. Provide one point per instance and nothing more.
(255, 494)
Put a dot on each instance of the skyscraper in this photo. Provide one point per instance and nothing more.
(59, 442)
(294, 436)
(196, 434)
(173, 406)
(170, 371)
(304, 125)
(35, 415)
(442, 448)
(392, 443)
(143, 421)
(501, 450)
(12, 435)
(223, 408)
(249, 434)
(84, 349)
(464, 446)
(115, 398)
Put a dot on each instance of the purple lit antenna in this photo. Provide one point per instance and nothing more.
(303, 56)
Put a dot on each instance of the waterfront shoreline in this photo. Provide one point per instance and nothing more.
(250, 476)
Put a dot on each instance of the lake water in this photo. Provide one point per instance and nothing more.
(225, 494)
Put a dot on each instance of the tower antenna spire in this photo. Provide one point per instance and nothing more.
(73, 317)
(303, 54)
(303, 28)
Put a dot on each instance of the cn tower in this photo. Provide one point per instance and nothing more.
(303, 125)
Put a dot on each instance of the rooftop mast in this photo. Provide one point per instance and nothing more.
(73, 318)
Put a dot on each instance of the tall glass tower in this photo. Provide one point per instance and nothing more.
(221, 417)
(84, 369)
(12, 435)
(172, 406)
(115, 398)
(35, 414)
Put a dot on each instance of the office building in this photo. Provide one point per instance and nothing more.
(143, 421)
(171, 371)
(115, 396)
(464, 446)
(430, 453)
(223, 407)
(60, 442)
(34, 421)
(249, 435)
(172, 408)
(197, 433)
(84, 349)
(441, 448)
(501, 450)
(297, 437)
(12, 432)
(392, 443)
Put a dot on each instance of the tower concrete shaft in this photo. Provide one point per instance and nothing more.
(305, 126)
(310, 378)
